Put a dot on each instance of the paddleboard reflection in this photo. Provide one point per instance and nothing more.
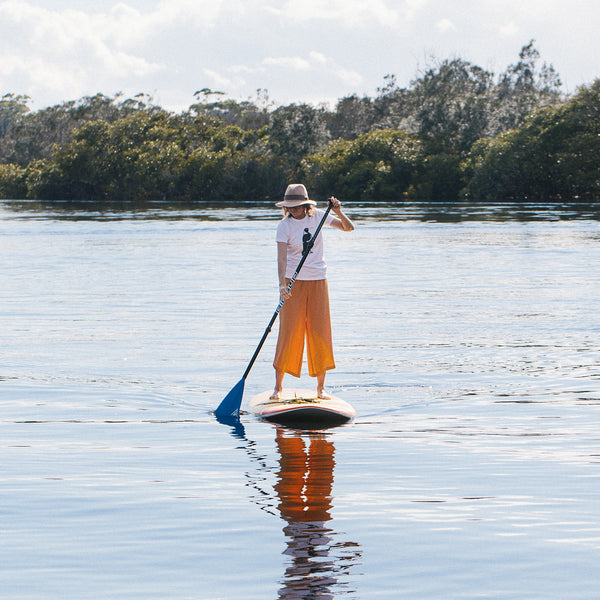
(319, 561)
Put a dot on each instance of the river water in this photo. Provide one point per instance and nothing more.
(467, 339)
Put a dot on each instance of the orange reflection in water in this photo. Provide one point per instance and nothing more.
(304, 490)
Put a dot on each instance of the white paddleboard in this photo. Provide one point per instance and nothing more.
(301, 408)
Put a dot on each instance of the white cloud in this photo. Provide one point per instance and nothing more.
(349, 13)
(303, 77)
(318, 57)
(292, 63)
(509, 29)
(224, 82)
(198, 13)
(316, 63)
(45, 78)
(71, 53)
(331, 48)
(245, 69)
(444, 25)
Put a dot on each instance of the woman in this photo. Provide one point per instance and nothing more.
(305, 313)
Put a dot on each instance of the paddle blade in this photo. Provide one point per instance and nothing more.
(230, 406)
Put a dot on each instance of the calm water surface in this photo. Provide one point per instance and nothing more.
(467, 340)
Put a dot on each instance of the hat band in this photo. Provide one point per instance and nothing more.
(295, 197)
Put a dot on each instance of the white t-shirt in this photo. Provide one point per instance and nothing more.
(291, 231)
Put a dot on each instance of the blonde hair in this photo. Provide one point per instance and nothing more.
(310, 210)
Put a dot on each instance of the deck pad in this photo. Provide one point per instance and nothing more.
(301, 408)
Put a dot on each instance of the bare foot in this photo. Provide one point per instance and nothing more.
(276, 395)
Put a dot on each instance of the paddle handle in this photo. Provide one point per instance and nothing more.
(305, 253)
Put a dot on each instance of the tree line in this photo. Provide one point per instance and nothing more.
(457, 132)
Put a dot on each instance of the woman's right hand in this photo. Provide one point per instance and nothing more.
(283, 292)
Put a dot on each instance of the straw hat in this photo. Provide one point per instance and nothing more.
(295, 195)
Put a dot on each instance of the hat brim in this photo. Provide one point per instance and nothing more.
(287, 203)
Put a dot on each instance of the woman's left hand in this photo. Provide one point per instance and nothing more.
(341, 221)
(336, 205)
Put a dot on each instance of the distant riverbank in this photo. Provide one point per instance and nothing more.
(458, 133)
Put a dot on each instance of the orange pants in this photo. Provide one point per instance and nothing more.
(305, 315)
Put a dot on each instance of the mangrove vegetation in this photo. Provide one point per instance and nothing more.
(457, 132)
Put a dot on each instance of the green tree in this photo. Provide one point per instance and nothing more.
(296, 131)
(352, 117)
(136, 157)
(451, 104)
(394, 107)
(13, 182)
(521, 89)
(37, 135)
(455, 103)
(379, 165)
(12, 108)
(228, 163)
(248, 114)
(553, 157)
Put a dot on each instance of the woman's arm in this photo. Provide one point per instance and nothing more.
(341, 221)
(281, 268)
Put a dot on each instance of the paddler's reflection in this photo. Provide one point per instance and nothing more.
(304, 491)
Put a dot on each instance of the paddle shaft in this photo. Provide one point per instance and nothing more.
(305, 253)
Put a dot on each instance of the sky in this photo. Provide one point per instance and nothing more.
(310, 51)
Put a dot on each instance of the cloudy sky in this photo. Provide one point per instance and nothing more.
(299, 50)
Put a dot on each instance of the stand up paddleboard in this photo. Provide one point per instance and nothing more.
(302, 409)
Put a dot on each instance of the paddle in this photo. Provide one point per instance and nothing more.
(230, 405)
